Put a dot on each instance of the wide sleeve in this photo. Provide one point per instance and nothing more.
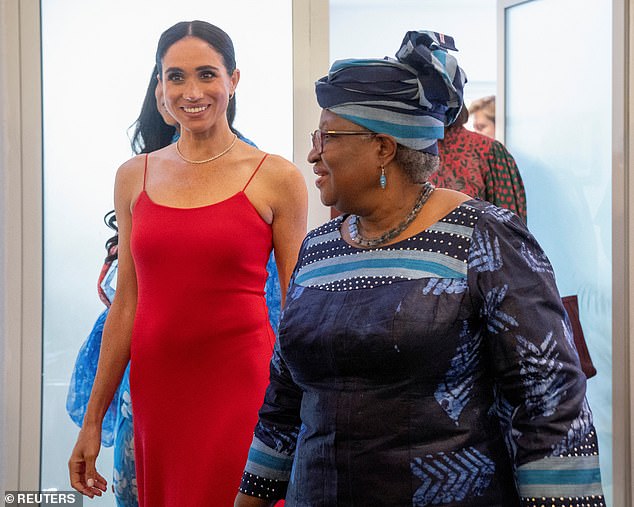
(540, 387)
(503, 182)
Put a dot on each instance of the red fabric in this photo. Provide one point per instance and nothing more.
(201, 346)
(480, 167)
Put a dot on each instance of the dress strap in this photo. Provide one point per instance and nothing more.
(147, 155)
(256, 170)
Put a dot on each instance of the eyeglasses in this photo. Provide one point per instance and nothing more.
(318, 136)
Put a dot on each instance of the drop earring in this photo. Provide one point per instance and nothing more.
(383, 179)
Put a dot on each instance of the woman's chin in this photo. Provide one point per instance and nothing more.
(325, 197)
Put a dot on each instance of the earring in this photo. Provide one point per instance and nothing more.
(231, 96)
(383, 179)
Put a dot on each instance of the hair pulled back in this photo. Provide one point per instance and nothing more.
(214, 36)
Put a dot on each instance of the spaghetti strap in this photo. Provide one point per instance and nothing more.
(147, 155)
(256, 170)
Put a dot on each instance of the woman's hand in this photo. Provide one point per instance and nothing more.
(81, 465)
(243, 500)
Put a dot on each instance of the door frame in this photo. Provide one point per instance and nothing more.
(622, 216)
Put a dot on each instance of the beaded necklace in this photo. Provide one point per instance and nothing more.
(359, 239)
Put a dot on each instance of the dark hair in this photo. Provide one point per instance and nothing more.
(111, 221)
(211, 34)
(150, 131)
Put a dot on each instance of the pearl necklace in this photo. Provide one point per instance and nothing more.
(357, 237)
(224, 152)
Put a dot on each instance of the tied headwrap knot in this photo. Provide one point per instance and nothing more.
(412, 97)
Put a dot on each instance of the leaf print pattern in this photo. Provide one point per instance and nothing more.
(498, 321)
(296, 292)
(502, 215)
(579, 430)
(567, 328)
(504, 411)
(454, 393)
(451, 477)
(276, 361)
(537, 261)
(484, 255)
(540, 368)
(438, 286)
(282, 440)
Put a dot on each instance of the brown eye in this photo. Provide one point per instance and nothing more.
(174, 76)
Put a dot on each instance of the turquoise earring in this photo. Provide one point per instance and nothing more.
(383, 179)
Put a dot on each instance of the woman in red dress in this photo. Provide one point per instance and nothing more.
(197, 221)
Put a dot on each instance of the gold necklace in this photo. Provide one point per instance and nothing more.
(224, 152)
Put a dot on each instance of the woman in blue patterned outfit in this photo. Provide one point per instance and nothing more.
(424, 355)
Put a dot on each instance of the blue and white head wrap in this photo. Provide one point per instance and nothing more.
(411, 98)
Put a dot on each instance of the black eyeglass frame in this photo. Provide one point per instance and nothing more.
(334, 133)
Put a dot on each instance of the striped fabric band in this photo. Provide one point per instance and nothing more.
(333, 235)
(411, 97)
(407, 264)
(458, 230)
(557, 476)
(265, 462)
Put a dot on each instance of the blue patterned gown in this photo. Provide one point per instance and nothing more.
(439, 370)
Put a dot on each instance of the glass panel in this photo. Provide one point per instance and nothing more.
(379, 27)
(97, 58)
(558, 127)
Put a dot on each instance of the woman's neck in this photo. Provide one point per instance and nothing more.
(389, 209)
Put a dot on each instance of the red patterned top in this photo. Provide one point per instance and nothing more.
(480, 167)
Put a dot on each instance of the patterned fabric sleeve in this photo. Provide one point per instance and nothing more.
(504, 186)
(541, 388)
(268, 469)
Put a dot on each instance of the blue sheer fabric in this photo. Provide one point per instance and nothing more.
(82, 380)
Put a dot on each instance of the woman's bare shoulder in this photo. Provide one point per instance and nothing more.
(129, 178)
(131, 167)
(281, 170)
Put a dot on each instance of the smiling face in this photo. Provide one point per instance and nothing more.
(347, 166)
(196, 85)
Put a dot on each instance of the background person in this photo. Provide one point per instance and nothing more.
(479, 166)
(483, 113)
(424, 355)
(197, 221)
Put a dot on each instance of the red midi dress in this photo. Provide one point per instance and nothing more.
(201, 346)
